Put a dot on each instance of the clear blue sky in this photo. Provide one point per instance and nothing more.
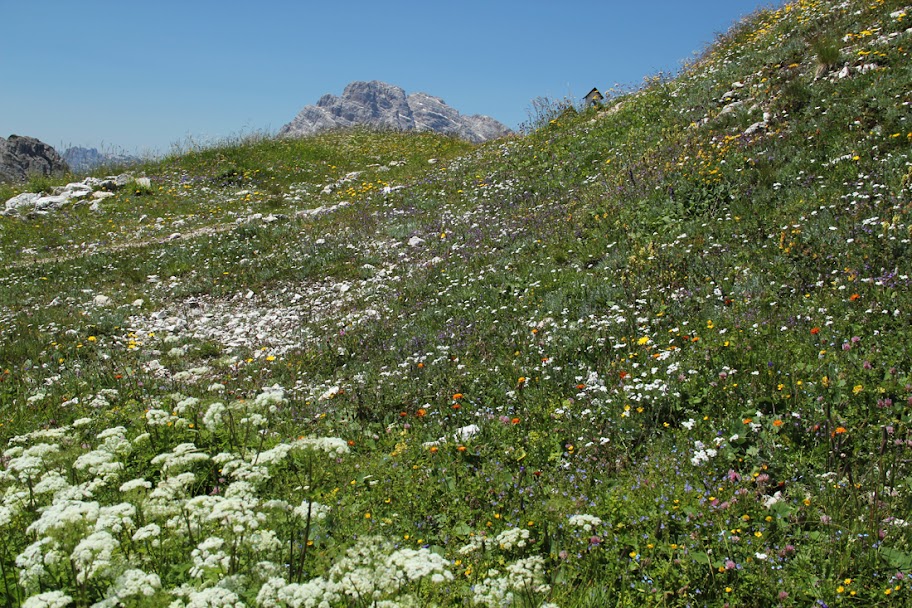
(141, 76)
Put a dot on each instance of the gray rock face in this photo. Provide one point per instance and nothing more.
(21, 157)
(381, 105)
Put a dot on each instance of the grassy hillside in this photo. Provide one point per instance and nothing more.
(655, 353)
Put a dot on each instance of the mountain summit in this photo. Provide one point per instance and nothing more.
(378, 104)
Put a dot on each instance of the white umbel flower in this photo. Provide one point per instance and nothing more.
(49, 599)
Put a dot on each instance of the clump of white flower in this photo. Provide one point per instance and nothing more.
(99, 463)
(514, 538)
(371, 570)
(65, 515)
(133, 583)
(213, 597)
(210, 558)
(6, 515)
(524, 576)
(116, 518)
(147, 532)
(270, 398)
(273, 455)
(157, 417)
(135, 484)
(27, 464)
(586, 522)
(51, 483)
(237, 510)
(317, 593)
(493, 591)
(702, 453)
(234, 466)
(371, 573)
(476, 543)
(92, 556)
(314, 510)
(214, 417)
(57, 435)
(183, 456)
(49, 599)
(165, 500)
(419, 563)
(186, 404)
(34, 561)
(330, 445)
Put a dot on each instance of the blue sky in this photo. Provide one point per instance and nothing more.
(144, 76)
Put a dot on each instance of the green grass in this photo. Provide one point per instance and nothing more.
(692, 328)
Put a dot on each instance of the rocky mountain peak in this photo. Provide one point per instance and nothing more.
(382, 105)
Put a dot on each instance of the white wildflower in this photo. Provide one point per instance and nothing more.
(330, 445)
(133, 583)
(147, 532)
(214, 597)
(209, 557)
(157, 417)
(183, 456)
(116, 518)
(186, 404)
(92, 556)
(51, 482)
(586, 522)
(32, 563)
(512, 538)
(214, 416)
(135, 484)
(6, 515)
(65, 515)
(49, 599)
(317, 511)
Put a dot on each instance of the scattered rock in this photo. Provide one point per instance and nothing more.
(755, 127)
(99, 189)
(735, 105)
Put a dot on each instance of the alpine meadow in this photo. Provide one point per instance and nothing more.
(654, 352)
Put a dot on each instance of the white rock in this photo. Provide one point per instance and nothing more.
(101, 194)
(26, 199)
(415, 241)
(755, 127)
(101, 300)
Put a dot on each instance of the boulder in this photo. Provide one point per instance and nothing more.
(22, 157)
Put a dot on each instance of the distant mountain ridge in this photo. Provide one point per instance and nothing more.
(382, 105)
(83, 160)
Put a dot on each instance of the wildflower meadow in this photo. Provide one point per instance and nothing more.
(651, 353)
